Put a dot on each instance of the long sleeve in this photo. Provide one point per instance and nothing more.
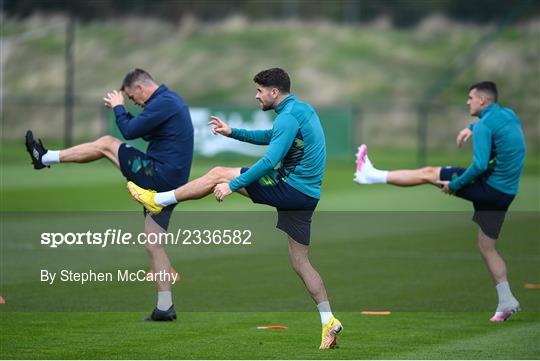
(283, 133)
(481, 154)
(135, 127)
(259, 137)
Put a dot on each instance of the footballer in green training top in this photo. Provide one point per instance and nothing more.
(490, 182)
(288, 177)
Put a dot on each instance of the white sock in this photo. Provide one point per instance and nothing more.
(51, 157)
(505, 295)
(165, 199)
(325, 311)
(164, 301)
(371, 175)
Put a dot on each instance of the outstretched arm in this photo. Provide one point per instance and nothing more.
(259, 137)
(283, 134)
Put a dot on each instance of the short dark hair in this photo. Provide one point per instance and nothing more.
(487, 87)
(135, 76)
(275, 77)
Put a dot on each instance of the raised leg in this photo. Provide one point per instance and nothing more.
(106, 146)
(414, 177)
(204, 185)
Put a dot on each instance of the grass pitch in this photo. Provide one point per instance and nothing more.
(420, 263)
(224, 335)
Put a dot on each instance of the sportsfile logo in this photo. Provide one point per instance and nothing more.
(118, 237)
(109, 237)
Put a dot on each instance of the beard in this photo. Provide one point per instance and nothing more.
(266, 107)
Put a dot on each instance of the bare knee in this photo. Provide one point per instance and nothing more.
(107, 143)
(155, 236)
(485, 247)
(218, 174)
(297, 267)
(298, 264)
(152, 248)
(430, 174)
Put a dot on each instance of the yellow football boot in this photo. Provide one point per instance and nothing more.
(144, 197)
(329, 333)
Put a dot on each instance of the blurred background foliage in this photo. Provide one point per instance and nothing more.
(388, 63)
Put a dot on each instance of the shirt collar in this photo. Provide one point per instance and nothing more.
(159, 90)
(284, 102)
(487, 109)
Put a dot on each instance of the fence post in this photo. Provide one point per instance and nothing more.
(69, 86)
(421, 155)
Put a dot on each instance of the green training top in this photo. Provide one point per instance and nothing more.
(498, 148)
(296, 146)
